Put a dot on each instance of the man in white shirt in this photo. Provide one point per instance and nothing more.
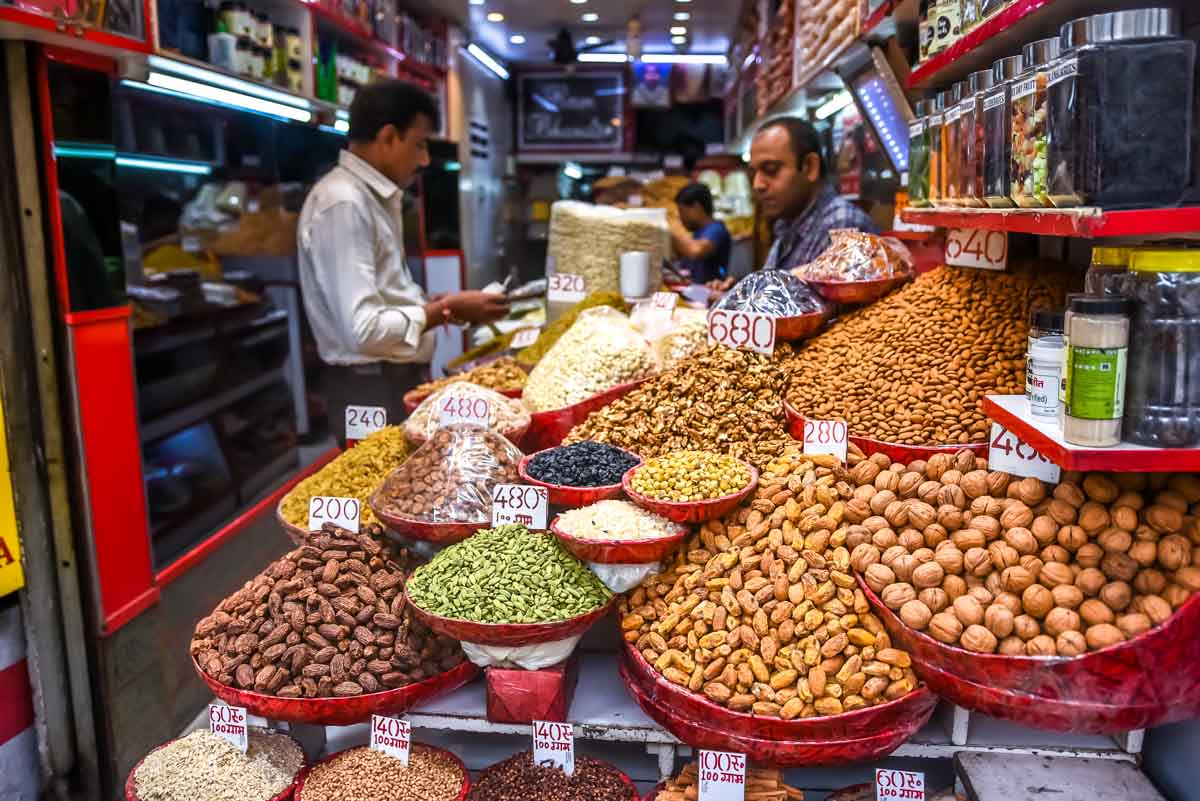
(372, 322)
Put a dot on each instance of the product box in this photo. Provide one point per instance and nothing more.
(523, 696)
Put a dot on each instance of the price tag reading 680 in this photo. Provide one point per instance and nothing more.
(520, 504)
(745, 330)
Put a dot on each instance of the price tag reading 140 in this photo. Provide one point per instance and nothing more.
(464, 409)
(520, 504)
(972, 247)
(391, 736)
(554, 745)
(745, 330)
(1009, 453)
(825, 436)
(363, 421)
(342, 512)
(722, 776)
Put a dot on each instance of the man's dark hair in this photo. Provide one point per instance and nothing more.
(388, 102)
(803, 136)
(696, 193)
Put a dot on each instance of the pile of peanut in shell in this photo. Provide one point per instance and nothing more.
(760, 612)
(361, 774)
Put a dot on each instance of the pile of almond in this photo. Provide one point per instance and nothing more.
(997, 564)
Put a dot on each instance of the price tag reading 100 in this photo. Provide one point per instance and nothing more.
(520, 504)
(722, 776)
(745, 330)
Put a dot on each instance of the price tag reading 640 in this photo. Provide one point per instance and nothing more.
(520, 504)
(972, 247)
(745, 330)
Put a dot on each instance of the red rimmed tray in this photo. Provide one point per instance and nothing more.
(692, 511)
(572, 497)
(802, 326)
(341, 711)
(1149, 680)
(619, 552)
(412, 400)
(894, 450)
(548, 429)
(773, 753)
(466, 774)
(509, 634)
(296, 534)
(131, 786)
(916, 707)
(855, 292)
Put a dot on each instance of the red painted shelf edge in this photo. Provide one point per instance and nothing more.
(927, 72)
(117, 41)
(1057, 222)
(876, 19)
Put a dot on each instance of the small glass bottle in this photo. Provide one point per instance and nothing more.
(935, 129)
(1029, 182)
(918, 155)
(970, 139)
(997, 132)
(1107, 271)
(1098, 344)
(951, 153)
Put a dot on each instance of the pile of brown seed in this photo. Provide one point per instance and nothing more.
(519, 779)
(204, 767)
(361, 774)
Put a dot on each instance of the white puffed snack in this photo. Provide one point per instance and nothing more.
(616, 520)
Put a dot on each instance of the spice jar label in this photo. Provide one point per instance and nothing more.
(525, 337)
(1062, 71)
(363, 421)
(520, 504)
(463, 409)
(229, 723)
(935, 120)
(825, 436)
(1024, 88)
(994, 100)
(342, 512)
(972, 247)
(565, 288)
(917, 128)
(899, 784)
(1096, 383)
(1008, 453)
(554, 745)
(722, 776)
(745, 330)
(391, 736)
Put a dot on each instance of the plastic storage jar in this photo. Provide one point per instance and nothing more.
(1028, 185)
(997, 133)
(970, 139)
(1044, 366)
(1097, 349)
(1162, 395)
(951, 154)
(1121, 110)
(935, 128)
(1107, 272)
(1044, 323)
(918, 155)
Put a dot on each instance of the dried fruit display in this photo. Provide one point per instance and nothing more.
(823, 29)
(762, 784)
(506, 416)
(518, 778)
(760, 612)
(502, 374)
(327, 619)
(588, 240)
(204, 766)
(353, 474)
(361, 774)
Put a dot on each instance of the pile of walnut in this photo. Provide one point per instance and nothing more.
(996, 564)
(760, 612)
(327, 619)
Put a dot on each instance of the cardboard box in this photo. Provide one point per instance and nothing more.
(523, 696)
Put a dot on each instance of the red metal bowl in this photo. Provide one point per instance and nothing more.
(691, 511)
(131, 785)
(855, 292)
(571, 497)
(341, 711)
(917, 706)
(509, 634)
(548, 429)
(466, 785)
(619, 552)
(441, 533)
(296, 534)
(1153, 678)
(412, 399)
(894, 450)
(802, 326)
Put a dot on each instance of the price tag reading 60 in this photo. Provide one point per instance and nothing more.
(899, 784)
(745, 330)
(520, 504)
(230, 724)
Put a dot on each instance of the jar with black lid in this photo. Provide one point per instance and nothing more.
(918, 155)
(997, 132)
(1121, 111)
(1030, 110)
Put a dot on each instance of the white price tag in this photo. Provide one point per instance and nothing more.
(392, 736)
(464, 409)
(525, 337)
(565, 288)
(722, 776)
(635, 201)
(825, 436)
(746, 330)
(664, 301)
(520, 504)
(229, 723)
(972, 247)
(899, 784)
(363, 421)
(342, 512)
(554, 745)
(1009, 453)
(190, 244)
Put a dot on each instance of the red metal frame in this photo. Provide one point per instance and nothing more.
(876, 19)
(42, 22)
(1085, 223)
(929, 73)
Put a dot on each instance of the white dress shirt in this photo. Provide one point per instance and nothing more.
(362, 302)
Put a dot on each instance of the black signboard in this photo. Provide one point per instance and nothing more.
(580, 111)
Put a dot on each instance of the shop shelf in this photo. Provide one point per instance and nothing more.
(19, 23)
(1086, 223)
(207, 406)
(358, 31)
(1045, 435)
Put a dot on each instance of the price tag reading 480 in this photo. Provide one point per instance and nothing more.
(745, 330)
(1009, 453)
(554, 745)
(722, 776)
(520, 504)
(342, 512)
(464, 409)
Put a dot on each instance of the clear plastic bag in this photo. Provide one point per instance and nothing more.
(588, 240)
(858, 256)
(527, 657)
(600, 351)
(505, 415)
(773, 292)
(623, 578)
(679, 337)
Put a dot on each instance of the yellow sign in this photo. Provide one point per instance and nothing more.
(12, 578)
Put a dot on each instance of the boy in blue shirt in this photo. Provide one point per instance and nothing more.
(703, 243)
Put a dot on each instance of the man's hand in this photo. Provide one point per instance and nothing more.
(721, 284)
(476, 307)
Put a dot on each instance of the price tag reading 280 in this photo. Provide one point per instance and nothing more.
(745, 330)
(722, 776)
(342, 512)
(520, 504)
(464, 409)
(825, 436)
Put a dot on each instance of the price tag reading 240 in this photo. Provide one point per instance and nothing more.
(363, 421)
(342, 512)
(972, 247)
(520, 504)
(464, 409)
(722, 776)
(565, 288)
(825, 436)
(745, 330)
(1009, 453)
(554, 745)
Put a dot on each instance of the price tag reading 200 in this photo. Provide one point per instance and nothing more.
(342, 512)
(464, 409)
(554, 745)
(745, 330)
(722, 776)
(520, 504)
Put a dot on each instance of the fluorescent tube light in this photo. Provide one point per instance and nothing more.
(165, 165)
(485, 58)
(833, 105)
(226, 81)
(341, 126)
(572, 170)
(223, 97)
(684, 58)
(604, 58)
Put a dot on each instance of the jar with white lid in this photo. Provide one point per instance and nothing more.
(1097, 349)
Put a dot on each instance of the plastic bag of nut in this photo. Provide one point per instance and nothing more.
(858, 256)
(506, 416)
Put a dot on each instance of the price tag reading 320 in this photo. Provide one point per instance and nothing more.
(745, 330)
(392, 736)
(229, 723)
(825, 436)
(520, 504)
(342, 512)
(722, 776)
(972, 247)
(554, 745)
(363, 421)
(464, 409)
(899, 784)
(565, 288)
(1009, 453)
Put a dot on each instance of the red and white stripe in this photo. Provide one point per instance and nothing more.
(19, 772)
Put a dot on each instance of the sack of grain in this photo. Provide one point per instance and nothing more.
(588, 240)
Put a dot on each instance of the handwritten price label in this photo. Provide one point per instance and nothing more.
(229, 723)
(825, 436)
(520, 504)
(363, 421)
(899, 784)
(342, 512)
(745, 330)
(458, 409)
(983, 250)
(525, 337)
(554, 745)
(565, 288)
(1009, 453)
(722, 776)
(391, 736)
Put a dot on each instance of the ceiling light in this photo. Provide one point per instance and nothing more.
(578, 2)
(495, 16)
(477, 2)
(486, 59)
(686, 58)
(517, 39)
(165, 165)
(591, 16)
(604, 58)
(572, 170)
(193, 90)
(682, 16)
(225, 81)
(678, 30)
(592, 40)
(833, 105)
(678, 40)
